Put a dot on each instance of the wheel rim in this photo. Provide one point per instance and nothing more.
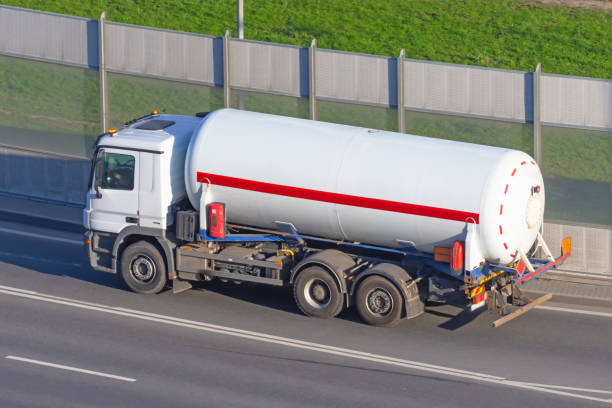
(317, 293)
(379, 302)
(143, 269)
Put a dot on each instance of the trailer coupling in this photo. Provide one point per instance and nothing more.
(502, 298)
(526, 268)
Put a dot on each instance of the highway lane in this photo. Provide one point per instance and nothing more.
(176, 364)
(183, 367)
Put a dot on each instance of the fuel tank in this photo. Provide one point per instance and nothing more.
(371, 186)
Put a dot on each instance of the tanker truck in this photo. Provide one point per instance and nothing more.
(344, 216)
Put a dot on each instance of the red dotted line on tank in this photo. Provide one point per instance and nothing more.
(501, 206)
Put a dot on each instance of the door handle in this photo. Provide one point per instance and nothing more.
(131, 220)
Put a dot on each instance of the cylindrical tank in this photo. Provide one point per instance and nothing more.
(355, 184)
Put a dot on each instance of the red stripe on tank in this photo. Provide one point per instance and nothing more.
(336, 198)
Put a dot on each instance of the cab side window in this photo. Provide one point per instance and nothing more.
(117, 171)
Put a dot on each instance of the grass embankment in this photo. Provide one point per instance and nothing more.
(578, 164)
(495, 33)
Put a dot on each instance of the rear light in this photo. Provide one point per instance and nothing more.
(566, 246)
(480, 298)
(479, 294)
(456, 258)
(216, 220)
(442, 254)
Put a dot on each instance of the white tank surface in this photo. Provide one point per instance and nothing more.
(370, 186)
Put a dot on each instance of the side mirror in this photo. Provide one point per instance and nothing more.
(98, 180)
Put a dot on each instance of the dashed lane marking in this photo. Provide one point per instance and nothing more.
(69, 368)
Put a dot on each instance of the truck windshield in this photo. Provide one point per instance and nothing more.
(117, 171)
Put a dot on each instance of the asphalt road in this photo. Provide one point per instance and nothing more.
(244, 345)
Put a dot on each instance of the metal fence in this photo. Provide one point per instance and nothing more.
(66, 78)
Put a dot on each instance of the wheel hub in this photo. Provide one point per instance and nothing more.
(380, 301)
(317, 293)
(143, 268)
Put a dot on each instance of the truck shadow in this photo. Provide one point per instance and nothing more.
(40, 260)
(280, 298)
(74, 271)
(457, 321)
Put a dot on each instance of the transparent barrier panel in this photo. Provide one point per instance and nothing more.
(270, 103)
(130, 97)
(498, 133)
(577, 166)
(48, 107)
(43, 175)
(374, 117)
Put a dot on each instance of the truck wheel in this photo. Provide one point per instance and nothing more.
(143, 268)
(379, 302)
(316, 293)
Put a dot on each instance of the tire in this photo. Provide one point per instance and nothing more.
(316, 293)
(143, 268)
(379, 302)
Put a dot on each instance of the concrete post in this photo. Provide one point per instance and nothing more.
(226, 71)
(537, 120)
(240, 18)
(102, 70)
(401, 113)
(312, 88)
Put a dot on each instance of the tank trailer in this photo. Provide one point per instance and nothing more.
(345, 216)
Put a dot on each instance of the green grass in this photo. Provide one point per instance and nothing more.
(131, 97)
(495, 33)
(43, 96)
(269, 103)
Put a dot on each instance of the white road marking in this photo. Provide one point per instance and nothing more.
(41, 236)
(562, 387)
(31, 292)
(65, 367)
(578, 311)
(299, 344)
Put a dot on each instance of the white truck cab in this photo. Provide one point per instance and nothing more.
(138, 174)
(137, 177)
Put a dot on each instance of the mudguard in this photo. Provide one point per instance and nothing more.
(159, 236)
(337, 262)
(413, 305)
